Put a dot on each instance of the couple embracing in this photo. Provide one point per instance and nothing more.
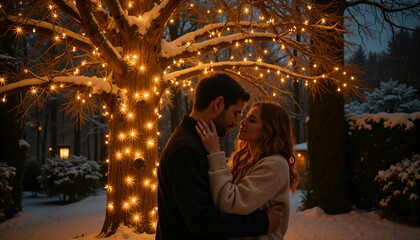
(203, 197)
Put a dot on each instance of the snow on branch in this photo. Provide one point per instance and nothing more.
(51, 30)
(171, 51)
(193, 71)
(119, 16)
(96, 85)
(110, 54)
(159, 13)
(208, 29)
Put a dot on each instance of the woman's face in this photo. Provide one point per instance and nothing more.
(252, 127)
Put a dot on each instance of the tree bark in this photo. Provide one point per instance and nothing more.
(327, 186)
(53, 110)
(76, 142)
(133, 148)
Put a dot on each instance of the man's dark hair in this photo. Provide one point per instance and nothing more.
(217, 85)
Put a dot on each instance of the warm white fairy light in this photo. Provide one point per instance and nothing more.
(129, 180)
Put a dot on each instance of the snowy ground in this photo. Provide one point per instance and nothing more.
(42, 220)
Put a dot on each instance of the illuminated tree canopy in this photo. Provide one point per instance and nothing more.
(121, 52)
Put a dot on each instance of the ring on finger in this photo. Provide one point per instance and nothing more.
(204, 133)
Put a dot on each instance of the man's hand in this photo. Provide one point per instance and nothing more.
(275, 217)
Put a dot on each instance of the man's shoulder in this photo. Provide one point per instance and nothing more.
(183, 140)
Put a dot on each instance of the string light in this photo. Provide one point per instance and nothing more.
(129, 134)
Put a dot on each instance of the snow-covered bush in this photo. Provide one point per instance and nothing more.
(75, 177)
(390, 97)
(401, 187)
(6, 173)
(373, 143)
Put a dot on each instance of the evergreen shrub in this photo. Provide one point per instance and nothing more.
(6, 200)
(375, 142)
(73, 178)
(400, 187)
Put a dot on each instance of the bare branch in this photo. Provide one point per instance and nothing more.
(382, 7)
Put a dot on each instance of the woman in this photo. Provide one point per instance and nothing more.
(260, 172)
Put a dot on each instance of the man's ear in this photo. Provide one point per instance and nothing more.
(219, 104)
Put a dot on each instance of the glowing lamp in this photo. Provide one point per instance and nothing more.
(64, 151)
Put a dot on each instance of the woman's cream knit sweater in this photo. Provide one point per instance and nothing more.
(259, 187)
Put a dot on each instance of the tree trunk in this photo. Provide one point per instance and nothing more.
(38, 137)
(76, 142)
(176, 111)
(96, 135)
(326, 140)
(53, 110)
(44, 137)
(102, 146)
(11, 153)
(133, 148)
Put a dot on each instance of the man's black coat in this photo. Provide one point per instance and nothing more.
(186, 208)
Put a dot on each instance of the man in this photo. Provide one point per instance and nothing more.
(186, 208)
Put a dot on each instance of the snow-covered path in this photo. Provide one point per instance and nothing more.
(43, 221)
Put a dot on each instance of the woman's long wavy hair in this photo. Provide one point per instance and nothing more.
(280, 140)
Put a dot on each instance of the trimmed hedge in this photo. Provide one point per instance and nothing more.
(374, 143)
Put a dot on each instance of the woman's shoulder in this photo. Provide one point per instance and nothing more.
(274, 160)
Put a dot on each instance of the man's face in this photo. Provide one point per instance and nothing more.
(228, 118)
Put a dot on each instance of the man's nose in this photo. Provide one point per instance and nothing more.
(235, 123)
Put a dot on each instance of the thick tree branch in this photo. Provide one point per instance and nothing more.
(70, 10)
(111, 56)
(222, 66)
(166, 8)
(50, 30)
(172, 52)
(119, 16)
(92, 84)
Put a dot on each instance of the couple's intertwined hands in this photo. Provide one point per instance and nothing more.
(208, 136)
(275, 217)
